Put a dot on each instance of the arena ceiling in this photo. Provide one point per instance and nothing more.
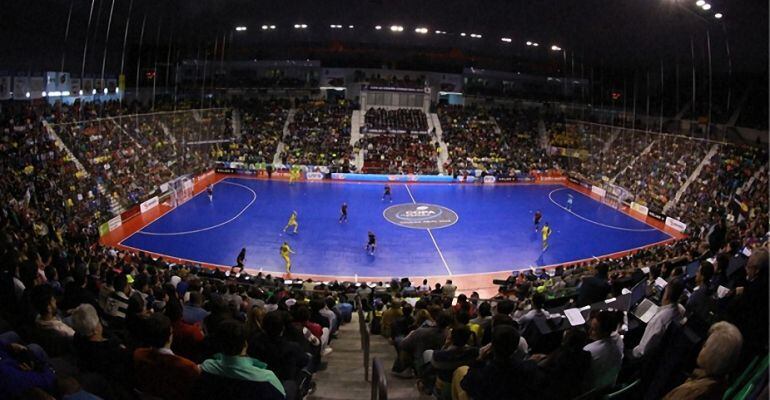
(618, 33)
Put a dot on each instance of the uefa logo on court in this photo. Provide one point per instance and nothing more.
(420, 216)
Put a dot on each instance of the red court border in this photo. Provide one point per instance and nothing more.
(479, 282)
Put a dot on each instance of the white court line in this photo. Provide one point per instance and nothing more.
(164, 213)
(440, 254)
(410, 194)
(592, 221)
(213, 226)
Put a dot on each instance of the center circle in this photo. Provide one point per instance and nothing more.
(420, 216)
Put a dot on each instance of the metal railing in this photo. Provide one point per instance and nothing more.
(379, 381)
(365, 339)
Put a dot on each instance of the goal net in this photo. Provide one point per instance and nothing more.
(611, 200)
(181, 191)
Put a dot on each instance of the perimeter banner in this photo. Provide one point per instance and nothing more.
(391, 178)
(314, 176)
(597, 190)
(657, 215)
(676, 224)
(639, 208)
(149, 204)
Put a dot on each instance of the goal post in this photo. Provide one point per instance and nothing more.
(181, 190)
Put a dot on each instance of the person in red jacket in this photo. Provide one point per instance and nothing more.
(157, 370)
(187, 337)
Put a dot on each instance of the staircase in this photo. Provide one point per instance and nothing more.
(746, 186)
(543, 133)
(356, 120)
(343, 379)
(167, 132)
(236, 123)
(60, 144)
(443, 156)
(682, 190)
(115, 206)
(281, 146)
(125, 132)
(631, 164)
(614, 133)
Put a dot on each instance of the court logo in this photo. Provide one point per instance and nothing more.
(420, 216)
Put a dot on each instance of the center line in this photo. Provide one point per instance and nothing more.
(440, 254)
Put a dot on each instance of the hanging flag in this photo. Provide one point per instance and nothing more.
(5, 87)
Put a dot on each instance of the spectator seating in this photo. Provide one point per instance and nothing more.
(401, 120)
(319, 135)
(399, 154)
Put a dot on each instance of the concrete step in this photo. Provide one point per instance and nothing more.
(343, 379)
(349, 392)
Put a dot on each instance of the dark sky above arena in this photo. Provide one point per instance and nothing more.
(622, 33)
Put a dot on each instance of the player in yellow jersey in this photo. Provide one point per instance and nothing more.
(546, 232)
(286, 251)
(293, 175)
(292, 222)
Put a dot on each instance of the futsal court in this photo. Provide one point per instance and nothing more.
(479, 228)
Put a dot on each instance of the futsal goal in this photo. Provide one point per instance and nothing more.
(611, 200)
(181, 190)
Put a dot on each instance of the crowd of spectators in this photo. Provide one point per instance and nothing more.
(610, 162)
(81, 320)
(262, 125)
(319, 135)
(731, 184)
(518, 346)
(657, 175)
(132, 155)
(115, 325)
(519, 127)
(401, 120)
(40, 181)
(497, 140)
(399, 154)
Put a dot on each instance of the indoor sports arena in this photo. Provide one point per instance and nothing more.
(379, 199)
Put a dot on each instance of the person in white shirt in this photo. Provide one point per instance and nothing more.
(538, 300)
(45, 303)
(449, 289)
(606, 353)
(670, 311)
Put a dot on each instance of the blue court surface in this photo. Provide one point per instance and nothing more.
(436, 230)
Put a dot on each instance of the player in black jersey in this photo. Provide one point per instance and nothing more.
(387, 194)
(371, 244)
